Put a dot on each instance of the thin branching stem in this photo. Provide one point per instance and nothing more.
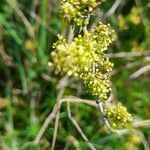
(55, 130)
(78, 127)
(56, 108)
(101, 109)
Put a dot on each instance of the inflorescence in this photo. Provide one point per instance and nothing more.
(118, 116)
(78, 11)
(75, 58)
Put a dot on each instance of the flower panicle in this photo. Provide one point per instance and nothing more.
(77, 11)
(118, 116)
(75, 59)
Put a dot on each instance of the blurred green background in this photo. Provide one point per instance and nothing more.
(28, 92)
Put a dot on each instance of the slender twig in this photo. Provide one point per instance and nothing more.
(50, 117)
(67, 145)
(40, 21)
(14, 5)
(74, 141)
(142, 123)
(140, 72)
(62, 85)
(128, 54)
(128, 66)
(113, 8)
(99, 17)
(56, 108)
(79, 100)
(143, 139)
(78, 127)
(55, 130)
(99, 102)
(100, 105)
(105, 120)
(70, 34)
(85, 29)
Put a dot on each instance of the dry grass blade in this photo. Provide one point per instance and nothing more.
(14, 5)
(140, 72)
(113, 8)
(142, 123)
(127, 54)
(78, 128)
(55, 130)
(144, 141)
(51, 116)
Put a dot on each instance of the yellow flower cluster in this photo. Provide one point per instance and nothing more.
(78, 11)
(133, 137)
(118, 116)
(77, 57)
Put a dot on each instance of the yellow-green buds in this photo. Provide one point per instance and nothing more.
(77, 57)
(78, 11)
(118, 116)
(103, 34)
(133, 137)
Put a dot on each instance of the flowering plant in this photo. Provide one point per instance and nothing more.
(76, 56)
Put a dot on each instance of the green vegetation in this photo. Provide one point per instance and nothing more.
(34, 84)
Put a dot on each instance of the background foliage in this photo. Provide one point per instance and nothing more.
(28, 86)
